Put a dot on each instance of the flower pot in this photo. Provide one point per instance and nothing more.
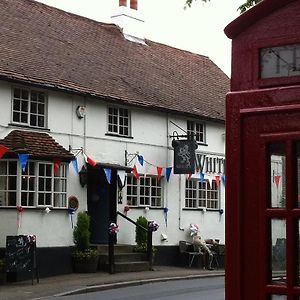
(89, 265)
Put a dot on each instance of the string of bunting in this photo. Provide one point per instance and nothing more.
(168, 171)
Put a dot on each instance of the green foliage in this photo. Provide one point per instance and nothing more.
(81, 233)
(140, 234)
(87, 254)
(242, 8)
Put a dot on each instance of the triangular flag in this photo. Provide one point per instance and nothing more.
(57, 163)
(217, 177)
(23, 158)
(3, 150)
(209, 177)
(201, 174)
(107, 174)
(277, 179)
(159, 171)
(223, 178)
(91, 162)
(121, 174)
(75, 165)
(168, 173)
(135, 172)
(189, 176)
(141, 159)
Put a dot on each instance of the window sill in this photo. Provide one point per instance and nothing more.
(143, 207)
(27, 126)
(118, 135)
(200, 209)
(40, 208)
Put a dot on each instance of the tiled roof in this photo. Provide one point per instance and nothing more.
(53, 48)
(38, 145)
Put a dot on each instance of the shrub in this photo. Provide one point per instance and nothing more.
(140, 234)
(81, 233)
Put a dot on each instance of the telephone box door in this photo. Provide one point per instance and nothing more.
(262, 201)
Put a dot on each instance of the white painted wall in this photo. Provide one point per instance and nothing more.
(150, 131)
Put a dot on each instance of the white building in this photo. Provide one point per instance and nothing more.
(74, 90)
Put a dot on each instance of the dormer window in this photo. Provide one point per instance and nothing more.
(196, 130)
(29, 107)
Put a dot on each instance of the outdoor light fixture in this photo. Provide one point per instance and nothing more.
(83, 176)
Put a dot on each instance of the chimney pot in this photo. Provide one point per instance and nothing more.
(133, 4)
(122, 2)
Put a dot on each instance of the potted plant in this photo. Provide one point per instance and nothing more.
(2, 271)
(85, 259)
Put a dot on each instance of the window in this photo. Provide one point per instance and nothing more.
(199, 194)
(196, 130)
(36, 186)
(29, 107)
(146, 191)
(119, 121)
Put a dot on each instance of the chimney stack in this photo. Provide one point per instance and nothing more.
(134, 4)
(130, 20)
(122, 2)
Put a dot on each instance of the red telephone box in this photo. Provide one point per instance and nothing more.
(263, 154)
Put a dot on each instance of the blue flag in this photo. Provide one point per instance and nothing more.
(201, 176)
(168, 173)
(23, 157)
(141, 159)
(108, 174)
(75, 165)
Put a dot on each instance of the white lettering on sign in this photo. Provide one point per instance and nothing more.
(209, 163)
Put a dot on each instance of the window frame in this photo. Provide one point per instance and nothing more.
(24, 189)
(202, 195)
(146, 183)
(194, 132)
(120, 126)
(31, 110)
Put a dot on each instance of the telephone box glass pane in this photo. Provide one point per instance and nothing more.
(278, 187)
(278, 251)
(298, 173)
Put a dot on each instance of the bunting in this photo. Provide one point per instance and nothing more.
(3, 150)
(57, 163)
(159, 171)
(75, 165)
(217, 177)
(277, 180)
(168, 173)
(135, 172)
(107, 174)
(23, 158)
(141, 159)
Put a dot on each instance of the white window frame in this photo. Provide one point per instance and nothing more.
(143, 192)
(57, 190)
(116, 120)
(197, 130)
(25, 109)
(200, 195)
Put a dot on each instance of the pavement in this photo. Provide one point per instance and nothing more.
(79, 283)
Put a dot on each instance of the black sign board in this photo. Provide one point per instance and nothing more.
(184, 156)
(21, 254)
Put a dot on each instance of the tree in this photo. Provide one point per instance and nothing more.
(241, 8)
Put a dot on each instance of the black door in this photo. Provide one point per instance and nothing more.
(101, 197)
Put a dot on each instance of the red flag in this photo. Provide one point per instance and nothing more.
(135, 172)
(57, 163)
(91, 161)
(3, 150)
(217, 177)
(189, 176)
(159, 171)
(277, 179)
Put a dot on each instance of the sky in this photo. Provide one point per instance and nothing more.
(199, 29)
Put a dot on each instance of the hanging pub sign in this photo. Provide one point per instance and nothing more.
(184, 156)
